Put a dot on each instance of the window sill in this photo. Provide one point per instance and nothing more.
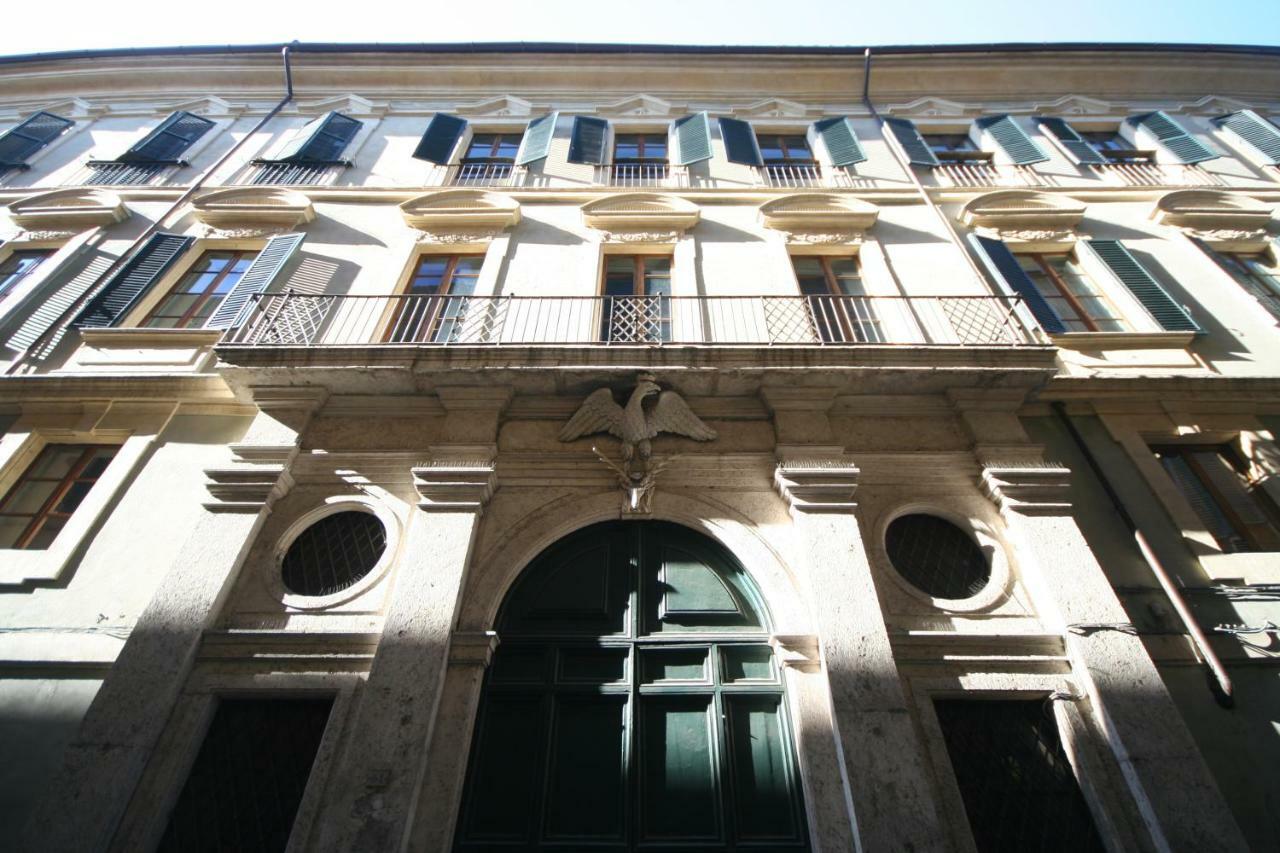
(1252, 567)
(1123, 340)
(169, 350)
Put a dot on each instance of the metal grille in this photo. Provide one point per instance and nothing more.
(333, 553)
(1019, 791)
(125, 174)
(936, 556)
(247, 781)
(265, 172)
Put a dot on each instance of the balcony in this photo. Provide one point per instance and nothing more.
(118, 173)
(305, 320)
(483, 173)
(1138, 174)
(303, 173)
(642, 175)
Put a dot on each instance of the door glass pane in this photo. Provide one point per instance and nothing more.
(678, 797)
(746, 663)
(585, 780)
(761, 776)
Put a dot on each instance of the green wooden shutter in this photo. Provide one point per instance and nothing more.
(839, 139)
(130, 281)
(913, 144)
(693, 139)
(19, 143)
(1075, 145)
(1006, 270)
(536, 143)
(740, 144)
(441, 136)
(60, 300)
(1172, 137)
(1169, 314)
(256, 279)
(1012, 139)
(329, 136)
(1253, 130)
(169, 141)
(586, 142)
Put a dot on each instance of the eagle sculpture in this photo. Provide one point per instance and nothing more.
(634, 423)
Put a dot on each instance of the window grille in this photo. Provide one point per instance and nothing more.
(1019, 791)
(248, 778)
(334, 553)
(936, 557)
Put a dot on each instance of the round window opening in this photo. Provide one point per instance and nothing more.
(936, 557)
(334, 553)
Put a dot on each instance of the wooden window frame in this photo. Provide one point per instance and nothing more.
(638, 276)
(492, 158)
(962, 156)
(1082, 315)
(1240, 261)
(88, 452)
(1223, 503)
(787, 159)
(641, 160)
(852, 328)
(17, 278)
(395, 310)
(185, 319)
(1114, 156)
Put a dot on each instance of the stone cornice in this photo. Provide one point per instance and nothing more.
(815, 479)
(459, 478)
(1028, 490)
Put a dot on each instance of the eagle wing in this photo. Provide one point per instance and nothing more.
(672, 414)
(598, 413)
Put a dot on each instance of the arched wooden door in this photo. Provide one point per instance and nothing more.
(633, 704)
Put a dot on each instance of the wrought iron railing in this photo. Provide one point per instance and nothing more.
(484, 174)
(115, 173)
(293, 319)
(262, 172)
(642, 175)
(1156, 175)
(987, 175)
(793, 175)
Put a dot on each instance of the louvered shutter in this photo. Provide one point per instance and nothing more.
(19, 143)
(256, 279)
(1253, 130)
(167, 142)
(913, 144)
(1006, 270)
(1172, 138)
(442, 134)
(693, 139)
(1075, 145)
(1268, 300)
(839, 139)
(329, 137)
(132, 280)
(740, 144)
(60, 300)
(1169, 314)
(586, 142)
(537, 140)
(1012, 139)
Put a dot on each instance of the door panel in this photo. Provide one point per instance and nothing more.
(679, 801)
(585, 784)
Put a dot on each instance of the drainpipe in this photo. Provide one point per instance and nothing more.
(1221, 679)
(155, 226)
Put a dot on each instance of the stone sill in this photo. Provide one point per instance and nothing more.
(1081, 341)
(1247, 568)
(169, 350)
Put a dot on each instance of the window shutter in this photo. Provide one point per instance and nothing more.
(322, 140)
(52, 307)
(1268, 300)
(167, 142)
(20, 142)
(537, 140)
(1252, 129)
(913, 144)
(1172, 137)
(740, 144)
(256, 279)
(1169, 314)
(1076, 145)
(1001, 263)
(437, 144)
(840, 141)
(693, 139)
(1012, 139)
(132, 280)
(586, 143)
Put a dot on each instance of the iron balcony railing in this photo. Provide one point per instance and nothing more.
(1156, 175)
(484, 173)
(295, 319)
(642, 175)
(305, 173)
(115, 173)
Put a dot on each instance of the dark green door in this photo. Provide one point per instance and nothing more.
(633, 704)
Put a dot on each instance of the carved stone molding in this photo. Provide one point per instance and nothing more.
(462, 235)
(819, 219)
(797, 651)
(640, 217)
(1231, 239)
(258, 211)
(47, 234)
(817, 482)
(1025, 217)
(639, 236)
(472, 648)
(72, 210)
(243, 233)
(459, 216)
(1225, 220)
(459, 478)
(258, 477)
(838, 238)
(1029, 490)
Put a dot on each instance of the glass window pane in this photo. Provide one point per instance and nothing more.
(620, 263)
(593, 666)
(11, 529)
(29, 497)
(746, 663)
(55, 461)
(46, 534)
(73, 497)
(468, 265)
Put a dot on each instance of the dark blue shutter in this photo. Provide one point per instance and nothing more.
(586, 143)
(169, 141)
(740, 144)
(1074, 144)
(840, 141)
(1001, 263)
(1143, 286)
(913, 144)
(536, 144)
(19, 143)
(130, 281)
(1012, 139)
(256, 279)
(1172, 137)
(327, 138)
(1254, 130)
(693, 138)
(443, 132)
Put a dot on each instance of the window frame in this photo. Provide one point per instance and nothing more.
(1235, 459)
(856, 326)
(787, 158)
(16, 278)
(1072, 299)
(952, 156)
(641, 160)
(1268, 283)
(203, 299)
(405, 296)
(89, 451)
(1118, 155)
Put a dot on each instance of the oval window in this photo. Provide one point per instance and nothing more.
(936, 557)
(334, 553)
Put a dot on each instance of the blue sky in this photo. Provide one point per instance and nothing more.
(132, 23)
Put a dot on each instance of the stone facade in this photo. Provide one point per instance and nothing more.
(934, 389)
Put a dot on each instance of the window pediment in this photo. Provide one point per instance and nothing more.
(1026, 218)
(1221, 219)
(68, 210)
(253, 207)
(453, 215)
(929, 107)
(638, 105)
(641, 217)
(503, 105)
(819, 218)
(774, 108)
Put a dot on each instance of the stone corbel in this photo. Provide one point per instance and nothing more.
(472, 648)
(1029, 490)
(816, 479)
(459, 478)
(797, 651)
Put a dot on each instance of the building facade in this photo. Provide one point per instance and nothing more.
(546, 447)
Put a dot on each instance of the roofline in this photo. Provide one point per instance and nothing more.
(622, 48)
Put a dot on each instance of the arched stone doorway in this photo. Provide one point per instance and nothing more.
(634, 702)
